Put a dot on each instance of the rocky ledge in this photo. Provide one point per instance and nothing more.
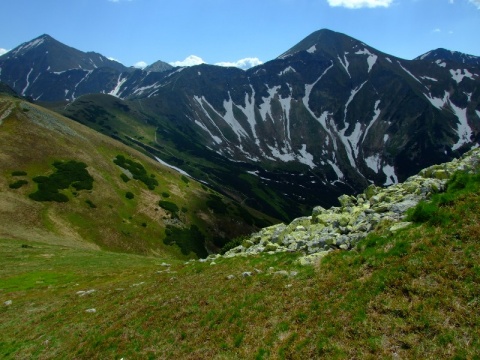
(344, 226)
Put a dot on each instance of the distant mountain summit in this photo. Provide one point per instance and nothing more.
(46, 69)
(159, 66)
(444, 55)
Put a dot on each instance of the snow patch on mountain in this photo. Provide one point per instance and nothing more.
(371, 60)
(392, 178)
(458, 75)
(376, 114)
(215, 138)
(428, 78)
(28, 82)
(441, 63)
(345, 64)
(31, 45)
(286, 71)
(312, 49)
(116, 90)
(464, 131)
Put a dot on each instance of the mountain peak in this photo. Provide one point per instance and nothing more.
(326, 40)
(441, 54)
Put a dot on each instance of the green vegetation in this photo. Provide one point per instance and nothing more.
(18, 184)
(165, 194)
(436, 211)
(124, 177)
(412, 295)
(70, 173)
(187, 239)
(169, 206)
(129, 195)
(19, 173)
(137, 170)
(185, 179)
(215, 203)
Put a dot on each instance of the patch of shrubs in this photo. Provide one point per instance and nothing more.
(137, 170)
(124, 177)
(169, 206)
(70, 173)
(215, 203)
(187, 239)
(129, 195)
(165, 194)
(18, 184)
(185, 179)
(19, 173)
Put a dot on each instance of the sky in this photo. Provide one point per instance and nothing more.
(239, 33)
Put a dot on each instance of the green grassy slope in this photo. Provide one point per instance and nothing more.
(411, 295)
(120, 210)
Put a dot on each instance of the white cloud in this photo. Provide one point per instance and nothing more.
(189, 61)
(476, 3)
(357, 4)
(3, 51)
(437, 30)
(244, 64)
(140, 65)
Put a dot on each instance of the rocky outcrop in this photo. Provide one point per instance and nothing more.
(344, 226)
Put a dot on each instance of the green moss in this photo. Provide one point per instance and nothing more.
(129, 195)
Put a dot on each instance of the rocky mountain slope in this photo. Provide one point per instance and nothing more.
(357, 216)
(329, 116)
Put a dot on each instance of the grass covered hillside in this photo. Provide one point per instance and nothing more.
(411, 295)
(64, 184)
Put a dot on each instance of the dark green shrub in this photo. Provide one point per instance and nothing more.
(70, 173)
(169, 206)
(91, 204)
(185, 179)
(215, 203)
(129, 195)
(137, 170)
(18, 184)
(423, 212)
(19, 173)
(124, 177)
(165, 194)
(187, 239)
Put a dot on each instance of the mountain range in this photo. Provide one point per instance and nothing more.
(329, 116)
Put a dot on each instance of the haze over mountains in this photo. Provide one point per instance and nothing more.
(329, 116)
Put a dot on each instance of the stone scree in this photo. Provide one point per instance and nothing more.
(344, 226)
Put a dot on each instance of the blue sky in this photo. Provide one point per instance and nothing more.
(226, 31)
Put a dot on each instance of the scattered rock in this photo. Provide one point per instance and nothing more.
(8, 303)
(91, 311)
(84, 293)
(230, 277)
(247, 274)
(165, 264)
